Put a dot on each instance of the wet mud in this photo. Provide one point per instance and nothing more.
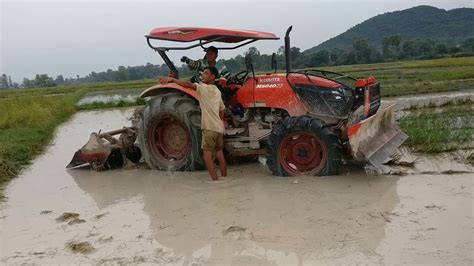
(252, 217)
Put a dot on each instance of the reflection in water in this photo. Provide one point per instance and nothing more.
(315, 220)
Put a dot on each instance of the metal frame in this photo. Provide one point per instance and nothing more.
(201, 43)
(162, 50)
(324, 75)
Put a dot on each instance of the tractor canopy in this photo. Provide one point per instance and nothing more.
(189, 34)
(203, 36)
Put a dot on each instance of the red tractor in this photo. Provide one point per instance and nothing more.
(303, 122)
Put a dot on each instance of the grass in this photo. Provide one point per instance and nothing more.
(28, 117)
(440, 129)
(85, 88)
(27, 125)
(417, 77)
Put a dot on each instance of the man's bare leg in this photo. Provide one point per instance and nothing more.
(210, 164)
(222, 162)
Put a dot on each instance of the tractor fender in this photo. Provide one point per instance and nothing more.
(161, 88)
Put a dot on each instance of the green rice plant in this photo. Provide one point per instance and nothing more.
(440, 129)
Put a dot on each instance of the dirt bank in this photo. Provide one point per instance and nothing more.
(133, 216)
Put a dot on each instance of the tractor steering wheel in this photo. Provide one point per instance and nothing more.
(238, 78)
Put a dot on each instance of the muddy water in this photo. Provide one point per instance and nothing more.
(145, 216)
(425, 100)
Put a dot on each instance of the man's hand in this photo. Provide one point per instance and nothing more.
(185, 59)
(164, 80)
(184, 83)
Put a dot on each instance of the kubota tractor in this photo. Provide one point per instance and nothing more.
(303, 122)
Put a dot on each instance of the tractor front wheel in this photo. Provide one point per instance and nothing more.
(303, 145)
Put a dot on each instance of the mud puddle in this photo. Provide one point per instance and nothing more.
(146, 216)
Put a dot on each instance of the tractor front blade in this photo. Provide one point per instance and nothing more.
(376, 138)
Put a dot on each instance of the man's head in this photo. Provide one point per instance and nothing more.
(209, 74)
(211, 53)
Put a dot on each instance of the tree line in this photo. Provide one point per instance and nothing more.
(392, 48)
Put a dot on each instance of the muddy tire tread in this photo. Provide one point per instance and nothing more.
(304, 123)
(188, 111)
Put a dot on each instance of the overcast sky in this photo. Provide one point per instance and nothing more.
(72, 37)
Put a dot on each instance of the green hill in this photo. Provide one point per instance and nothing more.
(422, 22)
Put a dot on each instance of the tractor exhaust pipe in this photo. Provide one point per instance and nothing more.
(287, 50)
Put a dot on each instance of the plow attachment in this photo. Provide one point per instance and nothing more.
(103, 151)
(376, 138)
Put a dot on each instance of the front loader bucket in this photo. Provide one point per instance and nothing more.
(376, 138)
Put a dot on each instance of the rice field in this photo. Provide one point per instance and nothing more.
(28, 117)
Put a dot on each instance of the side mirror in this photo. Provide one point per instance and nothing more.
(249, 64)
(274, 63)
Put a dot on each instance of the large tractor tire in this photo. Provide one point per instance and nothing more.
(303, 145)
(169, 133)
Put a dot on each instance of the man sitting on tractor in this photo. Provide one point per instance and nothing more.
(210, 59)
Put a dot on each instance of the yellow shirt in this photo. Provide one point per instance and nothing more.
(211, 103)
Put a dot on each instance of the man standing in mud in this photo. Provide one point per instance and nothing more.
(212, 118)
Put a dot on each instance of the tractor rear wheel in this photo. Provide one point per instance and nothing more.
(170, 133)
(303, 145)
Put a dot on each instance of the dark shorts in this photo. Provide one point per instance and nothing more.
(212, 141)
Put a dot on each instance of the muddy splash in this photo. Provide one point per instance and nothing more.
(180, 218)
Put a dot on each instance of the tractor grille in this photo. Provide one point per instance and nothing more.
(374, 98)
(326, 101)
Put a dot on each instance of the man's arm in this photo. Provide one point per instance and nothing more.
(192, 64)
(221, 110)
(221, 115)
(183, 83)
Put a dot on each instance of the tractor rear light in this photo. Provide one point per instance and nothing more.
(370, 80)
(360, 83)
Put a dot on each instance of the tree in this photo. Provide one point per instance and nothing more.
(362, 50)
(253, 51)
(281, 50)
(440, 49)
(121, 74)
(295, 53)
(43, 80)
(320, 58)
(469, 45)
(391, 46)
(59, 80)
(4, 81)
